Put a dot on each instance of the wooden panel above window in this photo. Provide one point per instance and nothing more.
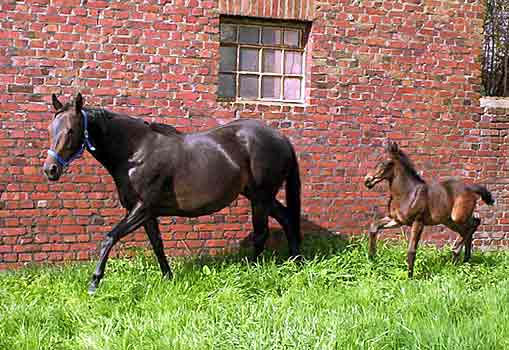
(280, 9)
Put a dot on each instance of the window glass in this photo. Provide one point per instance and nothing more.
(261, 62)
(248, 86)
(249, 35)
(271, 61)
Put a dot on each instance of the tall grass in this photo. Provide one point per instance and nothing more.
(337, 299)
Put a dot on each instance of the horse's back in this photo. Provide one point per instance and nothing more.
(263, 153)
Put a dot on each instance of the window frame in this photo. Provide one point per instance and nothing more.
(301, 27)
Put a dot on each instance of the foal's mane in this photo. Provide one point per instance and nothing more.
(398, 155)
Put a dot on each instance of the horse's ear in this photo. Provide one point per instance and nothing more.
(392, 147)
(56, 103)
(78, 101)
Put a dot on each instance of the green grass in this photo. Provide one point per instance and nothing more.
(336, 300)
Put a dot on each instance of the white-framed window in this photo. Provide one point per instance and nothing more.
(261, 61)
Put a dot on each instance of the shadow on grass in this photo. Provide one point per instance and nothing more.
(317, 242)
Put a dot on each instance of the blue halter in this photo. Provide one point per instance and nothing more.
(86, 144)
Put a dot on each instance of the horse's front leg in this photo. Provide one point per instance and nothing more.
(415, 236)
(134, 219)
(154, 235)
(375, 227)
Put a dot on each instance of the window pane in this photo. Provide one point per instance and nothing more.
(292, 89)
(249, 60)
(249, 35)
(292, 38)
(271, 87)
(228, 56)
(293, 62)
(228, 33)
(248, 86)
(271, 61)
(271, 36)
(226, 85)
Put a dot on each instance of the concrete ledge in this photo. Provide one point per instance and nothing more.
(495, 102)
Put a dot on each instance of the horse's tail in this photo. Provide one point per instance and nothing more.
(484, 193)
(293, 194)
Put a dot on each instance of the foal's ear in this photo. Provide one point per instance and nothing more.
(56, 103)
(392, 147)
(78, 101)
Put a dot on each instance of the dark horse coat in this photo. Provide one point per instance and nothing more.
(159, 171)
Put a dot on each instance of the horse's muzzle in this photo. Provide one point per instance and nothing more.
(369, 181)
(52, 170)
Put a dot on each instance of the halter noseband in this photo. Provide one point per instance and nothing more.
(86, 144)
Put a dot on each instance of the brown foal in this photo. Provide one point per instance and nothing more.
(415, 203)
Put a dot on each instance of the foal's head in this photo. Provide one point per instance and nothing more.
(385, 169)
(66, 134)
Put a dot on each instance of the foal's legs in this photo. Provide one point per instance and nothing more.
(376, 226)
(415, 236)
(457, 246)
(279, 212)
(464, 223)
(154, 235)
(134, 219)
(474, 223)
(466, 231)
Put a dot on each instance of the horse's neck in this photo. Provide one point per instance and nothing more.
(110, 141)
(404, 184)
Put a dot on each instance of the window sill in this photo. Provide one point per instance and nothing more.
(262, 103)
(494, 102)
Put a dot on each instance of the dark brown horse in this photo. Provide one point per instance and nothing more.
(159, 171)
(415, 203)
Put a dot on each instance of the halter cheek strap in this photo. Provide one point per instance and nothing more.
(86, 144)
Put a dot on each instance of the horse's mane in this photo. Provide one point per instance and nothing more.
(407, 164)
(101, 113)
(164, 129)
(104, 114)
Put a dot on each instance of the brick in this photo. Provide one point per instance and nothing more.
(161, 62)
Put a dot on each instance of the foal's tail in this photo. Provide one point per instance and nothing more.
(293, 194)
(484, 193)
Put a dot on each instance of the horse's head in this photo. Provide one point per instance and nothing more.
(67, 135)
(384, 170)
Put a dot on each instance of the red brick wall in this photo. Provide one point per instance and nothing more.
(405, 69)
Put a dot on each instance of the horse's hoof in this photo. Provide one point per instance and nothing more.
(91, 289)
(297, 258)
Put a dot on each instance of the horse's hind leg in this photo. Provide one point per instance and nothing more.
(466, 231)
(464, 223)
(456, 247)
(474, 224)
(260, 226)
(279, 212)
(154, 235)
